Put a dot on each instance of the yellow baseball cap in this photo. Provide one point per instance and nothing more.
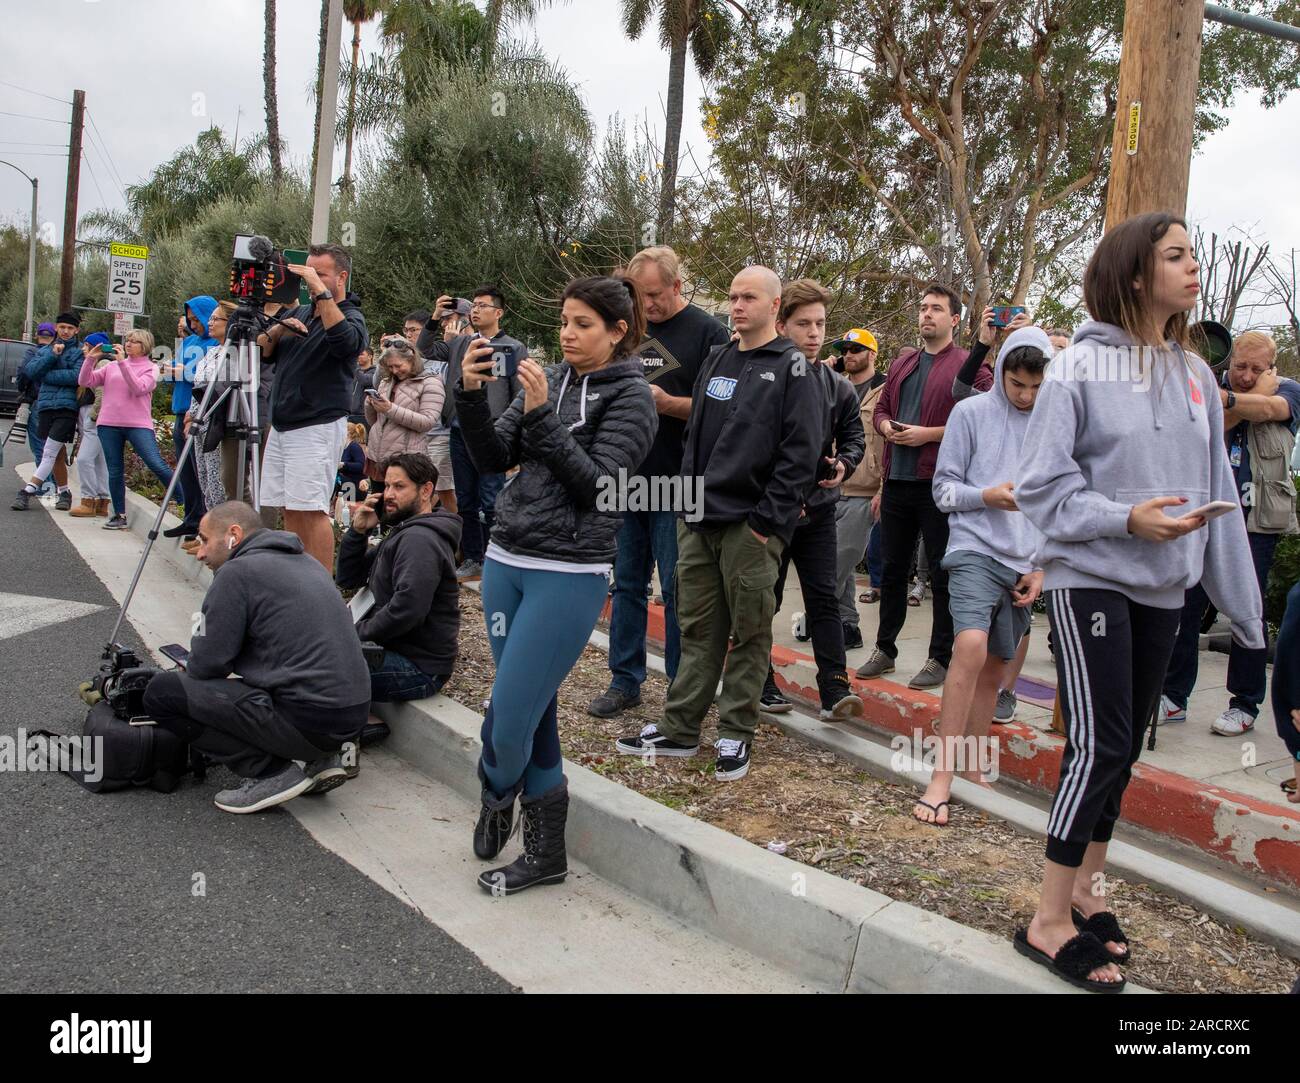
(859, 336)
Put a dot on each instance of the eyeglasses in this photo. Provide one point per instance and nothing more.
(482, 304)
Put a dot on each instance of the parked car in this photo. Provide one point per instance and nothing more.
(12, 352)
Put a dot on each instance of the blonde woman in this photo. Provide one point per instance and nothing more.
(126, 414)
(405, 405)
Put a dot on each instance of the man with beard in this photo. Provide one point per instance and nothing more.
(412, 605)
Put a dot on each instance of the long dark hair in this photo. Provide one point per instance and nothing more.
(1126, 253)
(613, 299)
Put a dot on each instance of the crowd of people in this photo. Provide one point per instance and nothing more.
(1107, 469)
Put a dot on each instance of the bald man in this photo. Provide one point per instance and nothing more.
(753, 438)
(273, 616)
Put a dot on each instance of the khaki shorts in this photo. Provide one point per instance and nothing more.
(440, 453)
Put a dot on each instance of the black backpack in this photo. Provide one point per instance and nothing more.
(26, 387)
(130, 755)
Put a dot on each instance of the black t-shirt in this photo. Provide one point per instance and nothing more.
(711, 409)
(904, 460)
(672, 353)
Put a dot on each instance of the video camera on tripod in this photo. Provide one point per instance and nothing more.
(259, 272)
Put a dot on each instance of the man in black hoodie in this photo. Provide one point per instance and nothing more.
(273, 616)
(412, 576)
(752, 443)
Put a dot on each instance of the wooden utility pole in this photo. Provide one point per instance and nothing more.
(70, 201)
(1159, 62)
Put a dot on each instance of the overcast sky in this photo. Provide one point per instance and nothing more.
(156, 72)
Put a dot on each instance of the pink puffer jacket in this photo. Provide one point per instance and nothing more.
(417, 405)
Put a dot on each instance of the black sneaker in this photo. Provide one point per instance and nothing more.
(852, 637)
(22, 501)
(612, 703)
(650, 742)
(840, 703)
(733, 760)
(63, 502)
(772, 701)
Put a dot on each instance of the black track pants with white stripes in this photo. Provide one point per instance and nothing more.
(1111, 656)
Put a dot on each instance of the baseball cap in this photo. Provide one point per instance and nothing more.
(98, 338)
(458, 307)
(46, 329)
(856, 336)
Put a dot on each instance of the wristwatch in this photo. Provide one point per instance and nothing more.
(1232, 401)
(324, 295)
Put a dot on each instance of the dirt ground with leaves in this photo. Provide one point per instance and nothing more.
(832, 815)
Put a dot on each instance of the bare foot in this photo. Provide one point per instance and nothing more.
(932, 808)
(1088, 904)
(1049, 938)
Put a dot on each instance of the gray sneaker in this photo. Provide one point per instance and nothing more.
(117, 522)
(470, 569)
(930, 675)
(879, 663)
(256, 794)
(1005, 710)
(325, 773)
(63, 501)
(22, 501)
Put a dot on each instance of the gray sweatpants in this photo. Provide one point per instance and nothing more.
(852, 527)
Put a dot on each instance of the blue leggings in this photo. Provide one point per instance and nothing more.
(538, 623)
(113, 439)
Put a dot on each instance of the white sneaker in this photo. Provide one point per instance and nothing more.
(1232, 723)
(1170, 712)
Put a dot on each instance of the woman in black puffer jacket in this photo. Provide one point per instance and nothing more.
(575, 433)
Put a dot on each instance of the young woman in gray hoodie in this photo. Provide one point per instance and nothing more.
(1125, 440)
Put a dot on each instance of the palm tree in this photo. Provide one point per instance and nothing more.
(320, 79)
(501, 13)
(268, 86)
(701, 25)
(356, 12)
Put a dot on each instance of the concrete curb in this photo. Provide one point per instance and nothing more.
(1262, 839)
(823, 929)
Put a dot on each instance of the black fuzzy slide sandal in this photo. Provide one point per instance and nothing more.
(1076, 959)
(1104, 926)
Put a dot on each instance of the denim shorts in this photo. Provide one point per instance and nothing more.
(979, 597)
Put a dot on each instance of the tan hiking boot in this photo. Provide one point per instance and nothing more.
(102, 507)
(84, 510)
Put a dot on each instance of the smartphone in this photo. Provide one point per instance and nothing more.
(178, 654)
(1213, 509)
(896, 426)
(371, 392)
(1004, 314)
(505, 361)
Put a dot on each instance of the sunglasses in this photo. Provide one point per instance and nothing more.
(855, 349)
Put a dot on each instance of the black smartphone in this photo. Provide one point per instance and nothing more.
(896, 426)
(178, 654)
(505, 361)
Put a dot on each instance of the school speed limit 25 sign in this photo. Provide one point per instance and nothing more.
(126, 271)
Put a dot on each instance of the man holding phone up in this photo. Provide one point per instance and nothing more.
(910, 415)
(476, 493)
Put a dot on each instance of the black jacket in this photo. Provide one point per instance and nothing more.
(273, 616)
(844, 437)
(361, 380)
(765, 458)
(314, 373)
(412, 574)
(565, 502)
(431, 347)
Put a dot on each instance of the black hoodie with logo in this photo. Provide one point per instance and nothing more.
(273, 616)
(412, 574)
(756, 429)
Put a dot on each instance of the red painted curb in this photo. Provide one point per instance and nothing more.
(1259, 837)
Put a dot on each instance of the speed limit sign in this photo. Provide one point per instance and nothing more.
(126, 271)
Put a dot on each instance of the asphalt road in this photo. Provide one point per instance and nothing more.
(97, 892)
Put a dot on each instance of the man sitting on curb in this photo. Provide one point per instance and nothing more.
(273, 616)
(412, 577)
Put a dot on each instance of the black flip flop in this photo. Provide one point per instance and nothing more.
(1075, 960)
(935, 809)
(1288, 785)
(1104, 926)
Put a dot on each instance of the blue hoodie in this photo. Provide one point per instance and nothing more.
(1110, 430)
(980, 449)
(193, 349)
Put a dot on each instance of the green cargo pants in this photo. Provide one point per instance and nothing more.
(725, 584)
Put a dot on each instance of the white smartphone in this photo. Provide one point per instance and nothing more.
(1213, 509)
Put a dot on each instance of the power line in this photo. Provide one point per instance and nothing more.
(39, 153)
(33, 116)
(108, 165)
(27, 90)
(103, 150)
(102, 201)
(20, 143)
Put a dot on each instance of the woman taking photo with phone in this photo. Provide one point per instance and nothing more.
(551, 551)
(126, 413)
(402, 409)
(1125, 440)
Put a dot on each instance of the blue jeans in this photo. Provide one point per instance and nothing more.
(476, 498)
(538, 623)
(645, 539)
(1247, 672)
(113, 439)
(398, 678)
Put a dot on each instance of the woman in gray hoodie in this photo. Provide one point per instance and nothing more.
(1125, 440)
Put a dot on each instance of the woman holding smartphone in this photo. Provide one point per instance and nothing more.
(551, 552)
(1125, 439)
(401, 410)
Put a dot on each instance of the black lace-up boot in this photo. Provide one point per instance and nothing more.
(495, 818)
(543, 860)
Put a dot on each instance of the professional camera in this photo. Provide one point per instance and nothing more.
(260, 273)
(121, 681)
